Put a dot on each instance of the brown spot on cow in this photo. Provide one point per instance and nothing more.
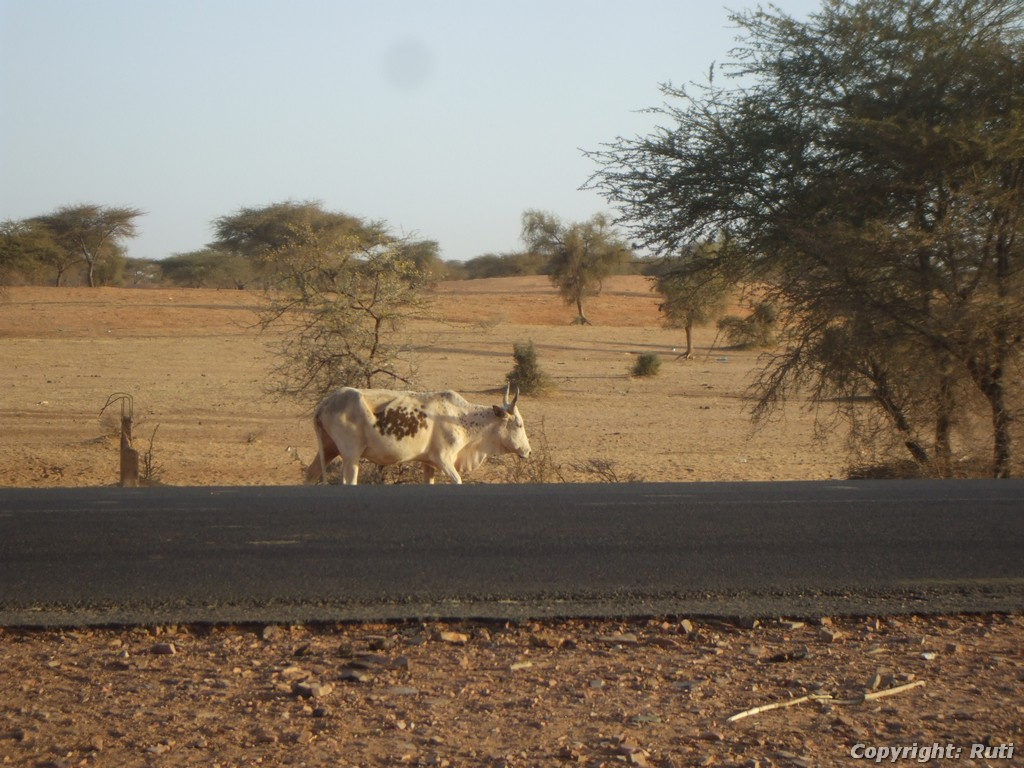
(400, 422)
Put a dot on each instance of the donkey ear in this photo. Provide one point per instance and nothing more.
(500, 412)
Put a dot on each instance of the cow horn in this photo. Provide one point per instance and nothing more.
(508, 406)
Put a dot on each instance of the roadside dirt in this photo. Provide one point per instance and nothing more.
(656, 693)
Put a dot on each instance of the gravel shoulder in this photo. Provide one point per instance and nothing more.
(656, 693)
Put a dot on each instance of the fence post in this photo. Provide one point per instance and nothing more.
(129, 456)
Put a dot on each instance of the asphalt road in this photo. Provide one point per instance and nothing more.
(284, 554)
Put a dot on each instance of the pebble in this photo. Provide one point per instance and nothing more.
(454, 638)
(402, 690)
(354, 675)
(619, 638)
(830, 635)
(311, 690)
(546, 640)
(293, 673)
(380, 643)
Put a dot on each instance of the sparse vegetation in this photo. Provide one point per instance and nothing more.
(541, 467)
(593, 411)
(151, 471)
(604, 471)
(882, 212)
(646, 365)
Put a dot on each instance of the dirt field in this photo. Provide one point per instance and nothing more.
(657, 692)
(198, 372)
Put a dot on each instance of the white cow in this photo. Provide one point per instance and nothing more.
(441, 430)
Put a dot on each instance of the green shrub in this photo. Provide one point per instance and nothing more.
(647, 364)
(526, 375)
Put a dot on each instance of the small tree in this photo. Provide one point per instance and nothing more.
(346, 331)
(579, 255)
(695, 292)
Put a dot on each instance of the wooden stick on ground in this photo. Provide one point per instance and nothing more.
(823, 697)
(779, 705)
(883, 693)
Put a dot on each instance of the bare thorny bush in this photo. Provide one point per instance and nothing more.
(342, 329)
(541, 467)
(544, 467)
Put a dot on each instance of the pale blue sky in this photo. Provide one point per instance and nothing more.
(447, 119)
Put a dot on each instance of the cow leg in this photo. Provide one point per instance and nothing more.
(349, 471)
(326, 451)
(428, 474)
(314, 472)
(449, 469)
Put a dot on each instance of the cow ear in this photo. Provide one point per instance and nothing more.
(499, 411)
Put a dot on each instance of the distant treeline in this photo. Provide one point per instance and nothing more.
(215, 269)
(86, 245)
(525, 263)
(212, 268)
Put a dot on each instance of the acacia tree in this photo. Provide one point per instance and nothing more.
(869, 175)
(89, 234)
(337, 292)
(580, 255)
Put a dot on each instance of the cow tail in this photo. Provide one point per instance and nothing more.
(320, 437)
(316, 470)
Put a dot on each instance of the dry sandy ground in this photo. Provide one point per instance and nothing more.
(199, 372)
(658, 692)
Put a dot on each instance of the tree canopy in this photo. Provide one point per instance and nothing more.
(866, 170)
